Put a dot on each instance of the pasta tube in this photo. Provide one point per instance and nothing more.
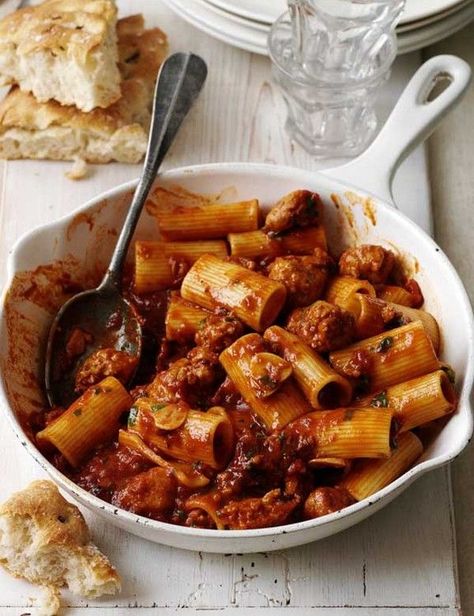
(254, 244)
(207, 503)
(392, 357)
(413, 314)
(345, 433)
(185, 474)
(370, 476)
(396, 295)
(205, 222)
(322, 386)
(205, 437)
(255, 299)
(418, 401)
(153, 268)
(276, 410)
(183, 319)
(93, 419)
(341, 290)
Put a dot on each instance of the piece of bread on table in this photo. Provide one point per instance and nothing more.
(29, 129)
(45, 540)
(64, 50)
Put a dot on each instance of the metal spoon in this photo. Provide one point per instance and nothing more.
(103, 313)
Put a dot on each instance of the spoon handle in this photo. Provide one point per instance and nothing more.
(179, 83)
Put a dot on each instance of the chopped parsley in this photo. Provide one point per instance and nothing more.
(380, 401)
(267, 381)
(449, 373)
(77, 412)
(157, 407)
(132, 416)
(384, 345)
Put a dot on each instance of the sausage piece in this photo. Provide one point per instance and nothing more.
(151, 493)
(367, 262)
(304, 277)
(103, 363)
(218, 332)
(300, 208)
(323, 326)
(325, 500)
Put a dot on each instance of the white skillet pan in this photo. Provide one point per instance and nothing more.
(84, 240)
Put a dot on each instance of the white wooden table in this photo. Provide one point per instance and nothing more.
(402, 561)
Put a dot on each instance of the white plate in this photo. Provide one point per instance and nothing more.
(426, 21)
(199, 14)
(239, 34)
(269, 10)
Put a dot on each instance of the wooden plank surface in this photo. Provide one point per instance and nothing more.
(402, 560)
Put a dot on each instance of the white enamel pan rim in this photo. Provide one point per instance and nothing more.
(267, 171)
(394, 142)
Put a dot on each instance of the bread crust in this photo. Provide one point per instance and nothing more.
(101, 135)
(57, 534)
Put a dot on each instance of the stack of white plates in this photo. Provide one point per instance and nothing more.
(246, 23)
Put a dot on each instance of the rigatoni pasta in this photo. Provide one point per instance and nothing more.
(322, 386)
(207, 222)
(254, 244)
(275, 411)
(153, 261)
(91, 420)
(417, 401)
(255, 299)
(183, 319)
(370, 476)
(393, 356)
(278, 381)
(348, 433)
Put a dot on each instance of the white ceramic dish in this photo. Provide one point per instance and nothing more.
(242, 32)
(267, 11)
(83, 241)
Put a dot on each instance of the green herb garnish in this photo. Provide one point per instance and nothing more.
(157, 407)
(380, 400)
(77, 412)
(384, 345)
(132, 416)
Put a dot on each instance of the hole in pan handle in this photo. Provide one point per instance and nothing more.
(420, 108)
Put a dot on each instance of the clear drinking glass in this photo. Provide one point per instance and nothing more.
(330, 58)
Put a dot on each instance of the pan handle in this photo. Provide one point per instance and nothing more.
(412, 120)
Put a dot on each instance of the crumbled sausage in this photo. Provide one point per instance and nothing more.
(325, 500)
(270, 510)
(219, 332)
(300, 208)
(151, 493)
(103, 363)
(304, 277)
(368, 262)
(189, 379)
(323, 326)
(77, 342)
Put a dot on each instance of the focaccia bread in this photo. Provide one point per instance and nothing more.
(29, 129)
(45, 540)
(64, 50)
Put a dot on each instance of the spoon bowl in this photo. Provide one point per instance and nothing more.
(100, 318)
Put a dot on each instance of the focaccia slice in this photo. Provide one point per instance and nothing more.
(64, 50)
(30, 129)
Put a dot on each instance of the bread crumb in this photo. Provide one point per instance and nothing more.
(50, 603)
(78, 170)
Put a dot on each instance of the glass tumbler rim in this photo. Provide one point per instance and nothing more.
(349, 83)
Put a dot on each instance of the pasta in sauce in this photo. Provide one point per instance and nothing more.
(277, 382)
